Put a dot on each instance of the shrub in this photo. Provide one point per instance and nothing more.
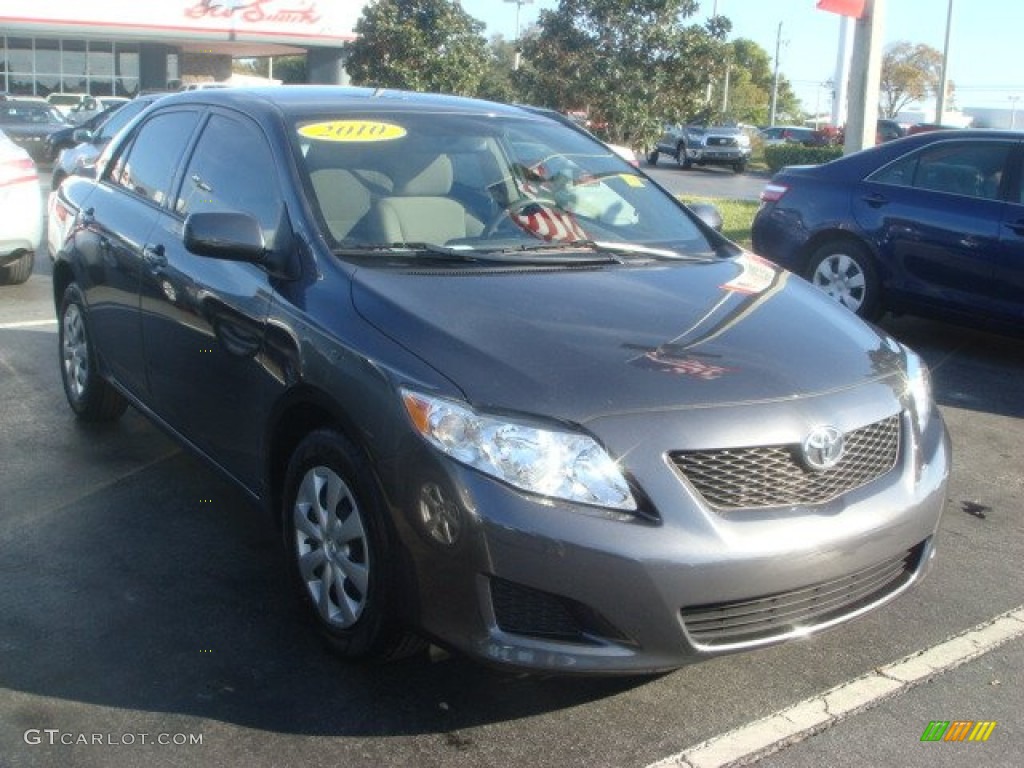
(775, 157)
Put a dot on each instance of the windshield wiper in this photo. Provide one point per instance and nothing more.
(470, 255)
(616, 251)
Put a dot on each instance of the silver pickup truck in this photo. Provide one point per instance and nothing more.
(703, 145)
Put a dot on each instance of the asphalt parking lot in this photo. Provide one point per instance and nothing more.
(146, 619)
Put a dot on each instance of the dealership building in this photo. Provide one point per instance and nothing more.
(122, 47)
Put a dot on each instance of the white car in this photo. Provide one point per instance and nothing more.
(21, 224)
(93, 105)
(65, 102)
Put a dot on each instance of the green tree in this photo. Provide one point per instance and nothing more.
(421, 45)
(750, 76)
(910, 73)
(631, 64)
(498, 82)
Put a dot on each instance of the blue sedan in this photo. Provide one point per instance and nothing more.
(932, 224)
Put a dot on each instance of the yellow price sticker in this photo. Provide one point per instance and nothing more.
(631, 180)
(352, 130)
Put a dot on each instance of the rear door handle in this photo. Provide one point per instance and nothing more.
(154, 256)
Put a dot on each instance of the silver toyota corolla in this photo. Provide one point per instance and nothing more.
(497, 388)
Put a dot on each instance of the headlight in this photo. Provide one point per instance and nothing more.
(558, 464)
(919, 387)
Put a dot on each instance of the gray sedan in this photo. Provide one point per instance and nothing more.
(497, 390)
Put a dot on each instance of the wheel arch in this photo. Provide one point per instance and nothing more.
(303, 410)
(823, 236)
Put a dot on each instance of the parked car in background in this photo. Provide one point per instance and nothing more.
(65, 137)
(29, 123)
(21, 212)
(930, 224)
(65, 102)
(704, 145)
(79, 157)
(495, 387)
(887, 130)
(94, 105)
(786, 134)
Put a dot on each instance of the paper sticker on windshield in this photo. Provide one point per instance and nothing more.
(352, 130)
(631, 180)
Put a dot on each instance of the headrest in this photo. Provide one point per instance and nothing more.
(424, 176)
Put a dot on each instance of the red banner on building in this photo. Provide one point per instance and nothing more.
(852, 8)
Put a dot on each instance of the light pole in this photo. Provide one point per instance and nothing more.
(519, 7)
(940, 101)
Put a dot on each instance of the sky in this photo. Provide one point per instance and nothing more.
(983, 33)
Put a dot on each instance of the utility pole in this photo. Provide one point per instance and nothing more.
(940, 99)
(519, 7)
(865, 74)
(775, 77)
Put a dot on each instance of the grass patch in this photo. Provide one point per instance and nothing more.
(737, 216)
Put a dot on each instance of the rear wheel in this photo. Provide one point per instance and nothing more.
(90, 396)
(18, 271)
(739, 167)
(340, 549)
(842, 268)
(681, 158)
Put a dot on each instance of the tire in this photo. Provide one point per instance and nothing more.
(681, 158)
(90, 396)
(843, 269)
(739, 167)
(340, 552)
(18, 271)
(652, 157)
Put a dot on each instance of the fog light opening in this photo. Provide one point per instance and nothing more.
(441, 518)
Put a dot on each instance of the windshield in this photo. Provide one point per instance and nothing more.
(475, 185)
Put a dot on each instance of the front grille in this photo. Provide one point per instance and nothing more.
(772, 617)
(775, 475)
(718, 141)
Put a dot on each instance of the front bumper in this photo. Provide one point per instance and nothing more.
(717, 155)
(550, 586)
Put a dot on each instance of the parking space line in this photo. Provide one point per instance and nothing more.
(750, 742)
(27, 324)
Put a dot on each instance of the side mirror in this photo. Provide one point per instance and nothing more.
(707, 213)
(225, 235)
(81, 135)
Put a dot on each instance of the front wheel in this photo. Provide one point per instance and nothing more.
(682, 159)
(340, 550)
(652, 157)
(739, 167)
(90, 396)
(843, 270)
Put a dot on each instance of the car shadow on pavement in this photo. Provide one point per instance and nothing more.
(163, 590)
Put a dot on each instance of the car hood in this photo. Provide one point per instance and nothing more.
(578, 344)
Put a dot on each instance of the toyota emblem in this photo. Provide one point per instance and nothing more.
(823, 448)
